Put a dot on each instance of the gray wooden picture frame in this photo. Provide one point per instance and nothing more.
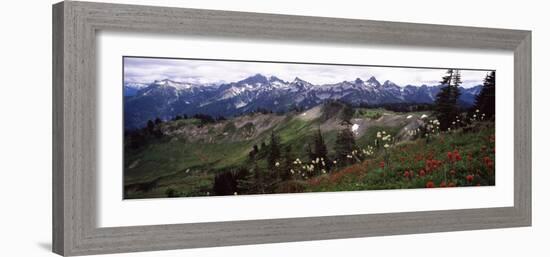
(75, 25)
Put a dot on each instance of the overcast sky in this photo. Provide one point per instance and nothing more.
(147, 70)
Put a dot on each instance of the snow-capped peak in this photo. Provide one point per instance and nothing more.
(373, 81)
(174, 84)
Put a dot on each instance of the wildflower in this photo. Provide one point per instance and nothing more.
(386, 146)
(277, 164)
(323, 171)
(410, 116)
(422, 173)
(378, 134)
(349, 156)
(235, 193)
(292, 171)
(470, 178)
(457, 156)
(443, 184)
(406, 174)
(430, 184)
(334, 162)
(452, 172)
(187, 171)
(382, 164)
(450, 156)
(424, 116)
(477, 110)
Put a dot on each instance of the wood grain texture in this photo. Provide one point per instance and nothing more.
(75, 25)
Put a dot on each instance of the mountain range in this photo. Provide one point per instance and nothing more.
(166, 98)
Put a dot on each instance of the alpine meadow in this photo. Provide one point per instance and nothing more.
(197, 127)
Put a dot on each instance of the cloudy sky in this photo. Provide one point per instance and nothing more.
(147, 70)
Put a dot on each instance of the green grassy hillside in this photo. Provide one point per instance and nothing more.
(194, 157)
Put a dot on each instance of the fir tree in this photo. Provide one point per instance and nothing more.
(446, 103)
(485, 101)
(274, 152)
(319, 147)
(345, 144)
(287, 164)
(252, 154)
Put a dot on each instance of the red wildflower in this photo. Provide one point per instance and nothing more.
(488, 162)
(430, 184)
(422, 173)
(470, 178)
(382, 164)
(443, 184)
(450, 156)
(457, 155)
(406, 174)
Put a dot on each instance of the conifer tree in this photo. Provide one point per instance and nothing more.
(485, 101)
(345, 144)
(446, 103)
(319, 147)
(287, 164)
(274, 152)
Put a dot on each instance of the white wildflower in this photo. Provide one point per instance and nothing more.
(235, 193)
(424, 116)
(410, 116)
(386, 146)
(277, 164)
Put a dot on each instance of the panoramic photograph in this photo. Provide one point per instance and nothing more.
(200, 127)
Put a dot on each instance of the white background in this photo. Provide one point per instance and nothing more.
(25, 106)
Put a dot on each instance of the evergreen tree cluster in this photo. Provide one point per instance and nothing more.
(485, 101)
(446, 103)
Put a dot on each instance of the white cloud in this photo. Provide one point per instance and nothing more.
(208, 71)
